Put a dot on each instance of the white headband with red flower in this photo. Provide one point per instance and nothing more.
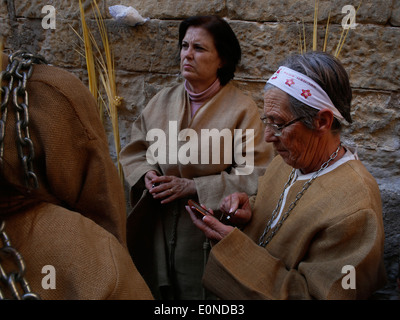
(303, 89)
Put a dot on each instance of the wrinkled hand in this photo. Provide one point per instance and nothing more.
(169, 188)
(150, 175)
(211, 227)
(237, 207)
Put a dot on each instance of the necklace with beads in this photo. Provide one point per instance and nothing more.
(264, 240)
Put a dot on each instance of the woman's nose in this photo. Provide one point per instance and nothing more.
(187, 53)
(269, 135)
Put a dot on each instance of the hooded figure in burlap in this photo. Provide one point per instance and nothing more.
(75, 220)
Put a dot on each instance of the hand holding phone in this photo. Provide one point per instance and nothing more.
(212, 228)
(199, 209)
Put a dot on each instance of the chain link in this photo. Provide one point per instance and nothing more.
(13, 282)
(5, 94)
(20, 69)
(264, 241)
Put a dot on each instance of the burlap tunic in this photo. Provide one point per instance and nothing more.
(152, 227)
(337, 223)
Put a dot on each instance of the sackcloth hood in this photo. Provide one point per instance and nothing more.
(72, 160)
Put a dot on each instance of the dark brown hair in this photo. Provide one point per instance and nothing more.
(225, 41)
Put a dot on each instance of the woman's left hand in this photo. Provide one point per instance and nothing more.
(170, 188)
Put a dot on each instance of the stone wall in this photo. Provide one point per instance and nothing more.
(146, 61)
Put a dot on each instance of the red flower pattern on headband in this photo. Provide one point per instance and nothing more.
(276, 74)
(306, 93)
(289, 82)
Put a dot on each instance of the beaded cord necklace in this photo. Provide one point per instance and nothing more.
(263, 241)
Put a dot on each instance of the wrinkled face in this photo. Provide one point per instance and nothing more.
(199, 58)
(297, 144)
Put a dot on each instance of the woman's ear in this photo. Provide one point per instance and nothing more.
(323, 121)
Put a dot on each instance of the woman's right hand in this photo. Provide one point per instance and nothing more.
(237, 207)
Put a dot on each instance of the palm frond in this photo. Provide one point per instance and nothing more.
(342, 41)
(90, 64)
(107, 77)
(315, 30)
(326, 33)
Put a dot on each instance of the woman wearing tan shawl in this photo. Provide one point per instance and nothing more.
(176, 153)
(316, 229)
(70, 226)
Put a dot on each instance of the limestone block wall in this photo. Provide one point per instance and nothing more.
(146, 60)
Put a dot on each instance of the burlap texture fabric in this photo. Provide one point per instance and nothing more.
(75, 221)
(72, 159)
(337, 223)
(153, 227)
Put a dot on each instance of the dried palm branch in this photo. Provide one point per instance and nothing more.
(100, 65)
(90, 63)
(107, 78)
(326, 33)
(304, 37)
(341, 41)
(315, 25)
(345, 31)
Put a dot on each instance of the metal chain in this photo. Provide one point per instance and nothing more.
(13, 282)
(262, 241)
(5, 94)
(20, 68)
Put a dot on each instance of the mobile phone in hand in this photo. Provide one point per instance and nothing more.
(198, 209)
